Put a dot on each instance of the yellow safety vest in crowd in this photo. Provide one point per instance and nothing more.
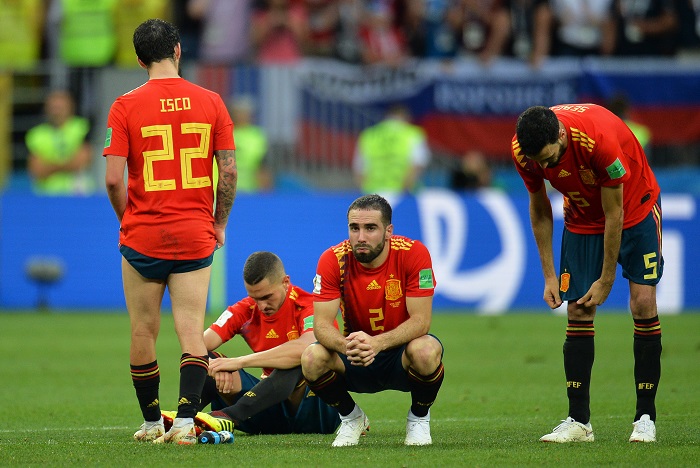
(88, 36)
(20, 33)
(388, 149)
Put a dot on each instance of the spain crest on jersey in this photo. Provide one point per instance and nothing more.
(587, 176)
(392, 289)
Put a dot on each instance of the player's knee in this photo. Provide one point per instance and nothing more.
(314, 361)
(424, 353)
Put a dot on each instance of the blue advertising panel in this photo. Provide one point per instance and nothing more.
(483, 251)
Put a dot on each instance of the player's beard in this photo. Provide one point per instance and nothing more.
(367, 257)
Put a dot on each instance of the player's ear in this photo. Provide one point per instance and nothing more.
(141, 64)
(178, 51)
(389, 231)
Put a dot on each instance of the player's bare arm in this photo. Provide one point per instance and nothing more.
(114, 181)
(324, 329)
(542, 222)
(285, 356)
(225, 191)
(611, 198)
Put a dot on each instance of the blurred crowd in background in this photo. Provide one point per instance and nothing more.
(60, 37)
(98, 32)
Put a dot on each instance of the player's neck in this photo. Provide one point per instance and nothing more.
(163, 69)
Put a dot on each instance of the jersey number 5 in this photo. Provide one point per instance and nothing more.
(165, 132)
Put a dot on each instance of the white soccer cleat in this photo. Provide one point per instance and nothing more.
(150, 431)
(569, 431)
(644, 430)
(418, 430)
(182, 432)
(350, 430)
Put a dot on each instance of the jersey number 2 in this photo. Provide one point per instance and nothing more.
(165, 132)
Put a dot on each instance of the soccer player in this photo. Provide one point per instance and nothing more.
(167, 133)
(612, 214)
(383, 284)
(276, 320)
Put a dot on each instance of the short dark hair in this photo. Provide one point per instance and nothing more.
(537, 127)
(261, 265)
(155, 40)
(373, 202)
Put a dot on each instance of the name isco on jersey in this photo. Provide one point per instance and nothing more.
(175, 104)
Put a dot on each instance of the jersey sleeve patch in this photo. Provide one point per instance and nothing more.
(425, 279)
(308, 323)
(616, 169)
(221, 321)
(108, 137)
(317, 284)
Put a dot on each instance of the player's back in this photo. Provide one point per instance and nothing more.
(169, 129)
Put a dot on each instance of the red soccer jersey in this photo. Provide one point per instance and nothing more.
(374, 300)
(602, 152)
(296, 316)
(168, 129)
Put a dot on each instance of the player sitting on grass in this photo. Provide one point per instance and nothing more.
(276, 321)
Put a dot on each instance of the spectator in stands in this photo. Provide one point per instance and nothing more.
(21, 33)
(225, 33)
(188, 17)
(432, 28)
(382, 41)
(347, 36)
(127, 16)
(324, 19)
(473, 172)
(251, 148)
(280, 31)
(531, 26)
(620, 106)
(578, 26)
(689, 26)
(641, 28)
(59, 152)
(391, 156)
(486, 27)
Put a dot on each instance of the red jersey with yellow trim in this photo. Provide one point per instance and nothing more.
(602, 152)
(374, 300)
(296, 316)
(168, 129)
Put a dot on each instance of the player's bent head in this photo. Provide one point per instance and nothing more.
(373, 202)
(261, 265)
(155, 40)
(536, 128)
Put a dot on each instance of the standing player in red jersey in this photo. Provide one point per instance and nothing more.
(167, 132)
(612, 214)
(383, 284)
(276, 321)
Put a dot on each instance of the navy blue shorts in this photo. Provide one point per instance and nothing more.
(385, 373)
(313, 416)
(158, 269)
(640, 257)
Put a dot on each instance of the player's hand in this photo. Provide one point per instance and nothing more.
(224, 364)
(224, 382)
(359, 349)
(551, 293)
(597, 294)
(220, 234)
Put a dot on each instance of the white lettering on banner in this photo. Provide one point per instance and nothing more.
(670, 291)
(501, 98)
(444, 221)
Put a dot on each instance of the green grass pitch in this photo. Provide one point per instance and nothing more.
(66, 398)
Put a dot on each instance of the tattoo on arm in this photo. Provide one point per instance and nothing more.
(226, 188)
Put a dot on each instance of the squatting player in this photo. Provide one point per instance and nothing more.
(612, 214)
(276, 321)
(383, 285)
(167, 132)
